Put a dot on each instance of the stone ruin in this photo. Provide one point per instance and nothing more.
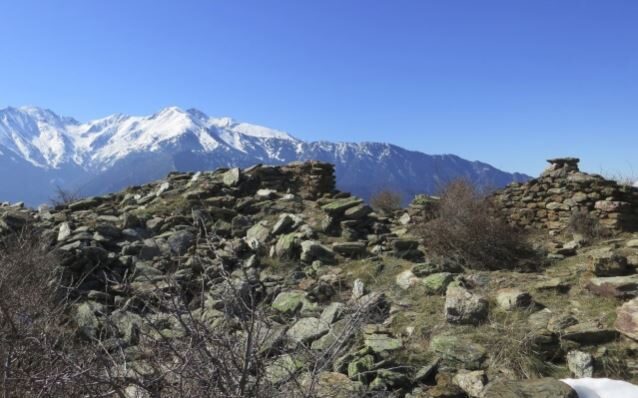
(549, 201)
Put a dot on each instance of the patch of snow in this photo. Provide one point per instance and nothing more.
(602, 388)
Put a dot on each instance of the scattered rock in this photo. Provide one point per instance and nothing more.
(589, 333)
(627, 319)
(232, 177)
(463, 307)
(608, 264)
(380, 342)
(511, 298)
(614, 286)
(312, 250)
(406, 280)
(437, 283)
(307, 330)
(473, 383)
(291, 302)
(540, 388)
(456, 351)
(581, 364)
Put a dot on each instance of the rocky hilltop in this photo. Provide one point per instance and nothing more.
(267, 281)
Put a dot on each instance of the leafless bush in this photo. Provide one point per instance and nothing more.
(386, 201)
(212, 334)
(583, 223)
(37, 352)
(63, 197)
(220, 338)
(468, 226)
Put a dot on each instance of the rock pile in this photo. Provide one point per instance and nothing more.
(323, 292)
(549, 201)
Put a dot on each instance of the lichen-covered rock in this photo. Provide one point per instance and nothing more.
(540, 388)
(380, 342)
(437, 283)
(291, 302)
(307, 330)
(459, 352)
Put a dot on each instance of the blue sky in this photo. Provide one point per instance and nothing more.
(507, 82)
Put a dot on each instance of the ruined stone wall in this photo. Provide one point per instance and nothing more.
(549, 201)
(310, 180)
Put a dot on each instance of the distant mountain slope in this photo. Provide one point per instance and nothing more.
(40, 150)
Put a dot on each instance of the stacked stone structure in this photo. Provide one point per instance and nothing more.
(549, 201)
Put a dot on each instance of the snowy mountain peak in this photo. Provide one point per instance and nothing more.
(47, 140)
(39, 150)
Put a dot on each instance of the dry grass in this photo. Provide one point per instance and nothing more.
(582, 223)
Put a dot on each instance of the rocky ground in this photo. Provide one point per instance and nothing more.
(312, 293)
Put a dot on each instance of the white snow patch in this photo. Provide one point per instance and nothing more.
(602, 388)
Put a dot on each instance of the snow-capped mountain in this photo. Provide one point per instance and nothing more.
(40, 150)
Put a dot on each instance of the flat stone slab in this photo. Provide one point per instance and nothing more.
(589, 334)
(614, 286)
(627, 319)
(540, 388)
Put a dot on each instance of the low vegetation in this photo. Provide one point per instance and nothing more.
(467, 226)
(386, 201)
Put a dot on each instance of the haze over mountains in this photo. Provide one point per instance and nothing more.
(40, 150)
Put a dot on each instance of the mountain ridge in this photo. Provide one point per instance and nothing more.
(109, 153)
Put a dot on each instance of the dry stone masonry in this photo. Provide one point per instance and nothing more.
(342, 291)
(549, 201)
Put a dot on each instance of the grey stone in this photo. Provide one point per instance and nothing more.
(472, 382)
(627, 319)
(458, 352)
(306, 330)
(406, 279)
(615, 286)
(380, 342)
(539, 388)
(581, 364)
(232, 177)
(512, 298)
(180, 241)
(312, 250)
(291, 302)
(464, 307)
(437, 283)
